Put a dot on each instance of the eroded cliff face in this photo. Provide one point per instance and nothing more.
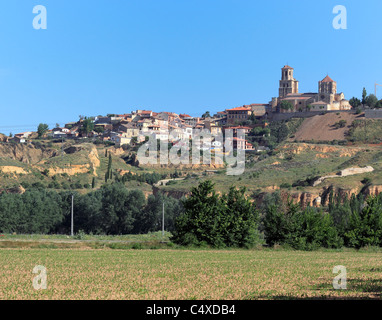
(319, 198)
(325, 149)
(303, 198)
(373, 190)
(18, 189)
(3, 138)
(71, 171)
(26, 153)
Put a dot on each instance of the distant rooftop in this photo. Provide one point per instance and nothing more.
(327, 79)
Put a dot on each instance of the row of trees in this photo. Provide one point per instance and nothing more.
(204, 218)
(369, 100)
(232, 220)
(354, 222)
(113, 209)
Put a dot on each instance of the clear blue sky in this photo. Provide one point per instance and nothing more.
(186, 56)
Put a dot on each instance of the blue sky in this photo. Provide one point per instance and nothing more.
(187, 56)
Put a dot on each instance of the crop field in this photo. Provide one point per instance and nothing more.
(83, 273)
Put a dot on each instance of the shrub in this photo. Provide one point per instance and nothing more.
(285, 185)
(230, 220)
(365, 227)
(307, 229)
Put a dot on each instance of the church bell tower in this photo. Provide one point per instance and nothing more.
(287, 83)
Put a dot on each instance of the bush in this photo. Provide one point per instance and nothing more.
(307, 229)
(340, 124)
(365, 227)
(230, 220)
(366, 181)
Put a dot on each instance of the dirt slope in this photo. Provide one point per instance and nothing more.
(26, 153)
(321, 127)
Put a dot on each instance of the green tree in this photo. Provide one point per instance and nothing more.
(87, 126)
(42, 129)
(252, 118)
(371, 100)
(99, 129)
(365, 227)
(150, 219)
(108, 173)
(355, 102)
(119, 207)
(306, 229)
(206, 115)
(286, 105)
(219, 221)
(364, 96)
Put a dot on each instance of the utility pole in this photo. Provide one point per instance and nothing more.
(71, 224)
(62, 149)
(375, 88)
(163, 221)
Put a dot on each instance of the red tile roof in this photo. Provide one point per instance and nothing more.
(240, 109)
(295, 98)
(239, 127)
(327, 79)
(287, 67)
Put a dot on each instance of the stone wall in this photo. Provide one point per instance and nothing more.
(373, 113)
(286, 116)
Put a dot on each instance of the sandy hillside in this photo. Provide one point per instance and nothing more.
(321, 127)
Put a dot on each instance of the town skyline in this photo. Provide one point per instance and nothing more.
(174, 57)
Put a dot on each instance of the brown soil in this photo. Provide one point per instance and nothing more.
(321, 127)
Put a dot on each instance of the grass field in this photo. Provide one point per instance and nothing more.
(189, 274)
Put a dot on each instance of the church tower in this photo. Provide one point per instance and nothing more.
(327, 90)
(287, 83)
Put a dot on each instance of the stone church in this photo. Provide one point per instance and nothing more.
(327, 98)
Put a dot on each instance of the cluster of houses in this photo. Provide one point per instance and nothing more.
(122, 129)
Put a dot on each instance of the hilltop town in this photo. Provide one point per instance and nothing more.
(122, 129)
(291, 142)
